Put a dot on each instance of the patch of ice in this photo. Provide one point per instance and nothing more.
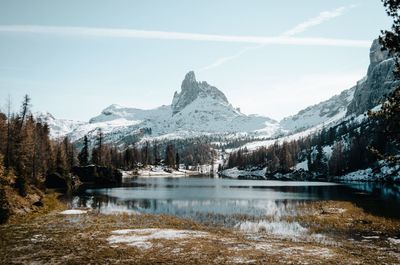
(73, 211)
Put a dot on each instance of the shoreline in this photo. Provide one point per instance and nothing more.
(255, 173)
(335, 230)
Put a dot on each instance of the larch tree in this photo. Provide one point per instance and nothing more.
(83, 155)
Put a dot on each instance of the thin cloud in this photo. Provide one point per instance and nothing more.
(300, 28)
(225, 59)
(169, 35)
(315, 21)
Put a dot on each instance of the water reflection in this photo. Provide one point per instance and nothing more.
(213, 200)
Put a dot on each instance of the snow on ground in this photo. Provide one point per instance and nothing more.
(359, 175)
(302, 165)
(395, 241)
(109, 208)
(336, 119)
(328, 149)
(381, 173)
(117, 126)
(141, 238)
(160, 171)
(73, 212)
(325, 112)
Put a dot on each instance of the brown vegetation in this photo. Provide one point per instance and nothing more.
(82, 239)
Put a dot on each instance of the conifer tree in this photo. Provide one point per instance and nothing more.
(61, 160)
(337, 161)
(169, 156)
(97, 152)
(83, 155)
(177, 161)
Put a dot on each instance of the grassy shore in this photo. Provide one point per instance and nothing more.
(48, 237)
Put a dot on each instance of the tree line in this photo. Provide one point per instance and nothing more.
(168, 152)
(27, 153)
(340, 149)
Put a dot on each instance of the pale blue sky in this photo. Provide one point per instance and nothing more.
(73, 59)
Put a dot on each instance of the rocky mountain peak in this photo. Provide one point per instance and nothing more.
(377, 55)
(191, 89)
(379, 82)
(190, 78)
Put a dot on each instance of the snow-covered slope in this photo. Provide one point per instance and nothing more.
(325, 113)
(58, 127)
(198, 109)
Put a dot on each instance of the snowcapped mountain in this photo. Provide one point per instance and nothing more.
(197, 109)
(192, 90)
(201, 109)
(366, 94)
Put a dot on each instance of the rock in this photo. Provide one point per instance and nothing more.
(297, 175)
(378, 83)
(56, 181)
(191, 90)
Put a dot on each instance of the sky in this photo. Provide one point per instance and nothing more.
(273, 58)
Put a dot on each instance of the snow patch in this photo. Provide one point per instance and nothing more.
(302, 165)
(73, 212)
(141, 238)
(395, 241)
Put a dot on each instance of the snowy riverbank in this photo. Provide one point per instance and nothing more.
(161, 171)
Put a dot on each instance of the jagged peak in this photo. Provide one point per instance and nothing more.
(192, 89)
(190, 77)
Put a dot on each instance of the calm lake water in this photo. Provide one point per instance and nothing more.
(201, 197)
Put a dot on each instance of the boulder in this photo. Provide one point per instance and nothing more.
(98, 175)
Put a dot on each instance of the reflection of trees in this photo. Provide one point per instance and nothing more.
(375, 198)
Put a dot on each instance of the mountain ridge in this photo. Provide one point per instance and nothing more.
(200, 108)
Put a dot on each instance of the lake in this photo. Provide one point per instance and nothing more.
(222, 200)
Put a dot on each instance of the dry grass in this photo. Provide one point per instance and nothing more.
(51, 238)
(345, 218)
(50, 203)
